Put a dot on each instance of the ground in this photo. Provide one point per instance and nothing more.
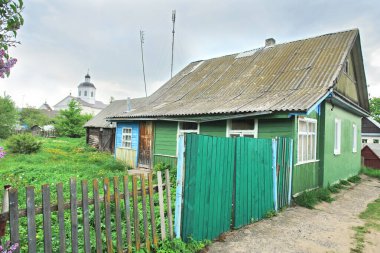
(327, 228)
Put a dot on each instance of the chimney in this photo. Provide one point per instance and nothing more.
(270, 42)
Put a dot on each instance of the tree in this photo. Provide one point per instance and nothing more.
(70, 122)
(8, 116)
(31, 116)
(10, 21)
(374, 108)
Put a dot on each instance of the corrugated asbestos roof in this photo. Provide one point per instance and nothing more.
(285, 77)
(114, 108)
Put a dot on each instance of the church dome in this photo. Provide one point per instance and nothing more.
(87, 82)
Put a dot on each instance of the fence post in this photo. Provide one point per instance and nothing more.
(274, 167)
(179, 185)
(290, 171)
(13, 217)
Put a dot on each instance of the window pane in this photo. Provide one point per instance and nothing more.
(234, 135)
(311, 127)
(243, 124)
(300, 147)
(305, 151)
(302, 126)
(310, 147)
(249, 135)
(189, 126)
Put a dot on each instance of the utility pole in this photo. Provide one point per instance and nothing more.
(173, 20)
(142, 58)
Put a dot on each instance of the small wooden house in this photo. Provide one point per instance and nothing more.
(101, 133)
(370, 130)
(312, 90)
(371, 155)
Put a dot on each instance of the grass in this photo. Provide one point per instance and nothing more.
(371, 216)
(371, 172)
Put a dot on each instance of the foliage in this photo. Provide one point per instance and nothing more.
(178, 246)
(374, 108)
(309, 199)
(70, 122)
(31, 117)
(371, 216)
(371, 172)
(8, 247)
(2, 152)
(23, 144)
(270, 214)
(161, 166)
(8, 116)
(10, 21)
(344, 182)
(354, 179)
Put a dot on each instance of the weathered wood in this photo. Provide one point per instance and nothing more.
(127, 212)
(107, 207)
(74, 215)
(98, 232)
(85, 212)
(169, 203)
(119, 241)
(152, 216)
(30, 206)
(136, 213)
(13, 217)
(61, 218)
(161, 204)
(48, 246)
(145, 215)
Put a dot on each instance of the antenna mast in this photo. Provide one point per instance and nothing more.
(173, 19)
(142, 58)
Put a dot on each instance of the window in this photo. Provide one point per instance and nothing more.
(354, 138)
(345, 67)
(79, 93)
(375, 140)
(126, 137)
(242, 128)
(85, 93)
(92, 94)
(337, 137)
(188, 127)
(364, 140)
(307, 140)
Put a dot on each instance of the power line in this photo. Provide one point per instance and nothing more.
(142, 58)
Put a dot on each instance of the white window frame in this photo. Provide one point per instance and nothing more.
(124, 141)
(337, 136)
(307, 134)
(183, 131)
(354, 138)
(242, 133)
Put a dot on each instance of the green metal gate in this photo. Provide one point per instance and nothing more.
(229, 183)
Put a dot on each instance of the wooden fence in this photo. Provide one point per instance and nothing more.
(111, 232)
(43, 133)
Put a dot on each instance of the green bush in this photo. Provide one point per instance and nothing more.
(310, 198)
(354, 179)
(178, 246)
(23, 144)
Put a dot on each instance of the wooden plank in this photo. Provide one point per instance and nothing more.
(61, 218)
(30, 209)
(161, 204)
(13, 217)
(74, 215)
(152, 216)
(86, 218)
(107, 208)
(98, 232)
(127, 212)
(169, 203)
(145, 215)
(48, 247)
(136, 213)
(119, 241)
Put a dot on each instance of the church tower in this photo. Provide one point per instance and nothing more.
(87, 90)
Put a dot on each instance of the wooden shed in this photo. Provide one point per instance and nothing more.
(371, 155)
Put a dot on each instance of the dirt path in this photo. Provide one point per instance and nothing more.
(328, 228)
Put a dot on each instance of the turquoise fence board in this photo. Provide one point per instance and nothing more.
(179, 180)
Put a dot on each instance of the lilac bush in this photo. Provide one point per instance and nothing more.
(8, 248)
(2, 152)
(6, 64)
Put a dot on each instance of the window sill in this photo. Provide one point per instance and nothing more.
(305, 162)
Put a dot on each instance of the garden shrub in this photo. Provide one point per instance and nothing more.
(177, 245)
(23, 144)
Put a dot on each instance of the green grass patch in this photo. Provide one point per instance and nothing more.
(371, 172)
(354, 179)
(177, 245)
(344, 182)
(371, 216)
(311, 198)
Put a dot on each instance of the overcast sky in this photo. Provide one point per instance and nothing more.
(61, 40)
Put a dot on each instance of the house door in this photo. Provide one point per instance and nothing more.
(145, 145)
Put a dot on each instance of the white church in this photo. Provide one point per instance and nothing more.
(86, 98)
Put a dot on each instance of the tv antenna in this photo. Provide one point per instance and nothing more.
(173, 20)
(142, 58)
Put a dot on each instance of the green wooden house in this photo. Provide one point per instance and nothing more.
(312, 90)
